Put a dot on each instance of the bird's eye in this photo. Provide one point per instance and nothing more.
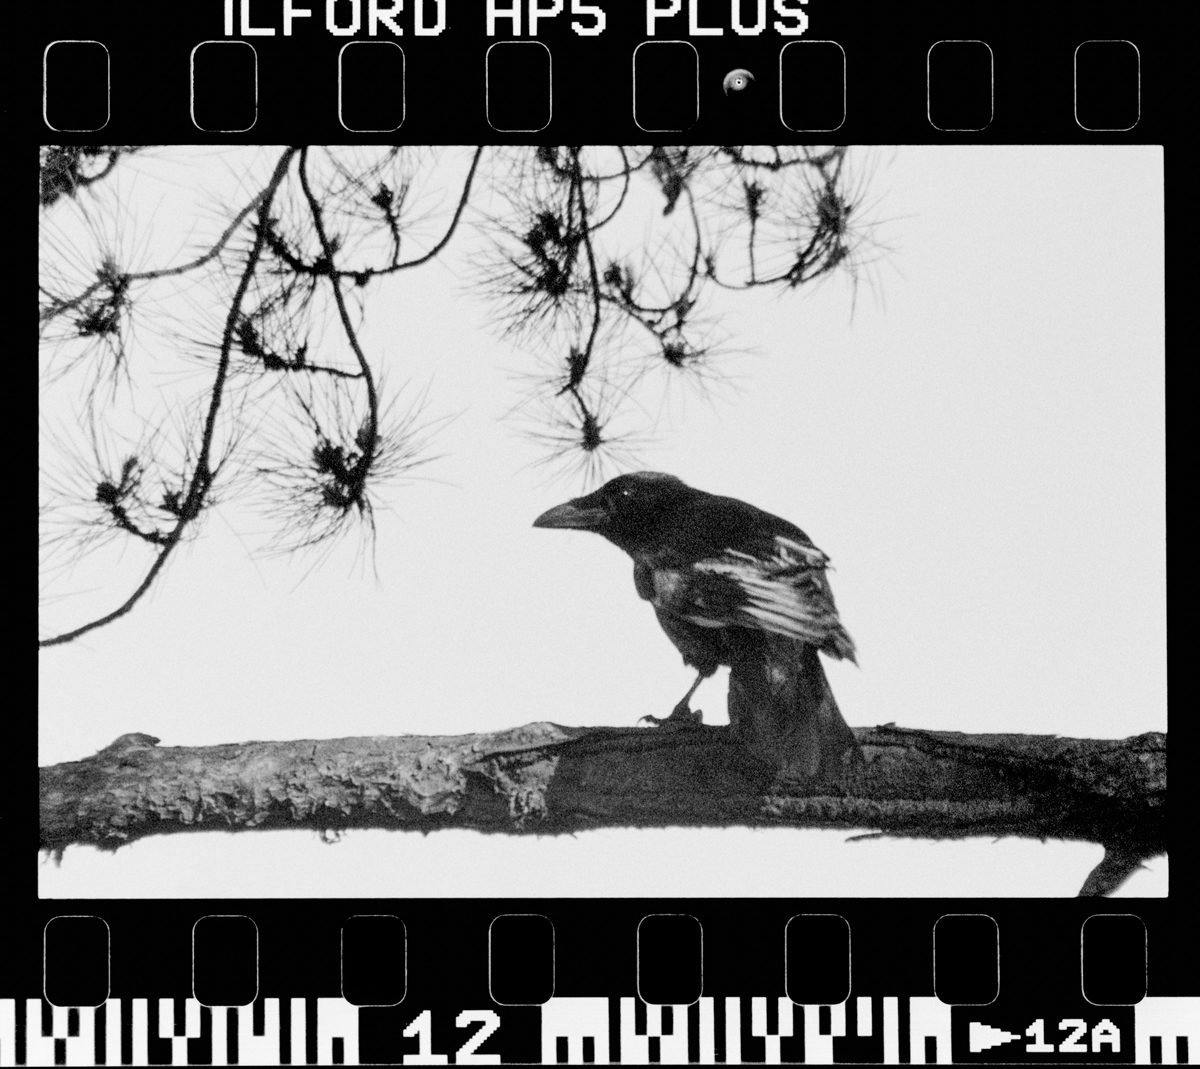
(625, 493)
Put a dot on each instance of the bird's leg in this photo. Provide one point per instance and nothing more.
(683, 715)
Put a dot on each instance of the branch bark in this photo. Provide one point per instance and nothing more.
(548, 779)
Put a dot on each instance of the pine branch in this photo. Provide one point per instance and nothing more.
(550, 779)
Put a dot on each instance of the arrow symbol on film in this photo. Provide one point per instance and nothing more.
(983, 1036)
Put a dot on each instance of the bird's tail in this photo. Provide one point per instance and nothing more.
(781, 706)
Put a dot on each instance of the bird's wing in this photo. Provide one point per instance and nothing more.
(780, 589)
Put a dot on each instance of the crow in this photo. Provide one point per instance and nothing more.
(733, 585)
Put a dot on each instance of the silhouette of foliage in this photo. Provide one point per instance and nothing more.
(237, 368)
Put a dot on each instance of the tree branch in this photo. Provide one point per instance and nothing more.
(550, 779)
(202, 476)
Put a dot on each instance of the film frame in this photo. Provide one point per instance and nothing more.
(723, 994)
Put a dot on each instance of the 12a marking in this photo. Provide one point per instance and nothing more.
(1103, 1034)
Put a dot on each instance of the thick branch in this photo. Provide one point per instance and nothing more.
(546, 778)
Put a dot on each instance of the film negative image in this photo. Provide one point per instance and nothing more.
(301, 409)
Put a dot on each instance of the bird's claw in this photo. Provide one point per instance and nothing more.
(682, 718)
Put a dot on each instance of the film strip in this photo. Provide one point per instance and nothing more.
(576, 1031)
(579, 895)
(986, 1004)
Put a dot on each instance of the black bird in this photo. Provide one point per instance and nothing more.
(733, 585)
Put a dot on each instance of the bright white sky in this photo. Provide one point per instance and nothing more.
(979, 447)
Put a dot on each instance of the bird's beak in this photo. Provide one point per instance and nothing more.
(580, 513)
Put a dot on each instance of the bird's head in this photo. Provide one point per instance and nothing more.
(622, 510)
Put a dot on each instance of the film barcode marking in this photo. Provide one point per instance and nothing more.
(271, 1031)
(621, 1030)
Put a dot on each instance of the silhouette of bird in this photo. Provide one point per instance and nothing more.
(733, 585)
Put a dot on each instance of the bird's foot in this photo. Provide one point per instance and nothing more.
(682, 718)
